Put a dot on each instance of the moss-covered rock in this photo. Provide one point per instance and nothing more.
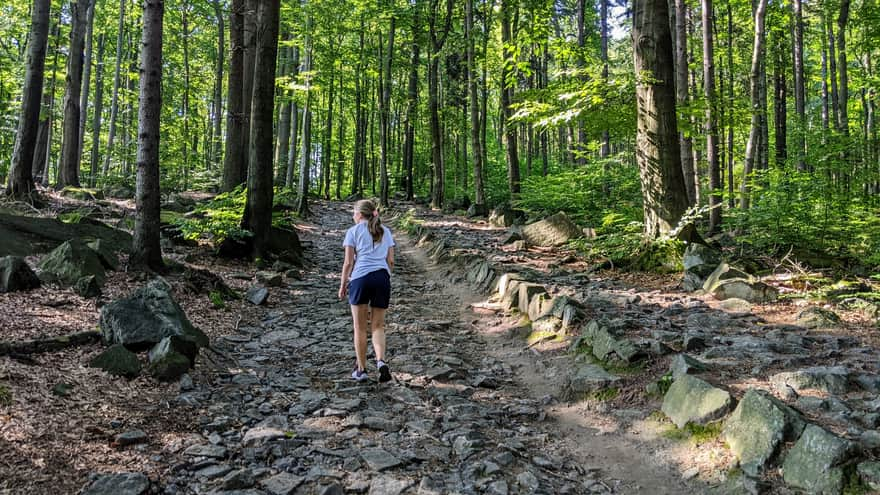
(757, 427)
(815, 318)
(554, 230)
(117, 360)
(815, 463)
(171, 358)
(105, 253)
(16, 275)
(691, 400)
(70, 262)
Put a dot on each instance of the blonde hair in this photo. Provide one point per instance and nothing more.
(368, 210)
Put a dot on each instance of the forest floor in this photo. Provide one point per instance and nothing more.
(473, 407)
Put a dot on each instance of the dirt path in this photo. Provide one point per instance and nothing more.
(457, 418)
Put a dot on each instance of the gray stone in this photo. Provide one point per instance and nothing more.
(69, 262)
(589, 378)
(117, 360)
(498, 488)
(818, 318)
(389, 485)
(869, 473)
(554, 230)
(699, 262)
(206, 450)
(830, 379)
(814, 464)
(723, 272)
(257, 295)
(607, 346)
(870, 383)
(169, 359)
(144, 318)
(119, 484)
(270, 279)
(528, 482)
(691, 400)
(870, 439)
(87, 287)
(526, 292)
(282, 483)
(757, 427)
(239, 479)
(754, 292)
(682, 364)
(105, 253)
(16, 275)
(736, 306)
(503, 216)
(379, 459)
(269, 429)
(130, 437)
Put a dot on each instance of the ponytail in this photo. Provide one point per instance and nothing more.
(368, 210)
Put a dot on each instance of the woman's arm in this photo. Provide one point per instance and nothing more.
(390, 258)
(347, 267)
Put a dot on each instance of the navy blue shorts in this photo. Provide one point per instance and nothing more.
(373, 288)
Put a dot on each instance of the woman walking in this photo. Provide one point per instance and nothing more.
(366, 279)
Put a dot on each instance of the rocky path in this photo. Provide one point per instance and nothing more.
(287, 418)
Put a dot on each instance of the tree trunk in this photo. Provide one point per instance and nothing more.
(715, 198)
(681, 95)
(658, 152)
(753, 146)
(114, 101)
(99, 108)
(146, 252)
(412, 102)
(327, 149)
(87, 77)
(384, 116)
(340, 139)
(233, 162)
(258, 209)
(294, 125)
(70, 151)
(510, 136)
(605, 148)
(184, 11)
(832, 61)
(799, 87)
(21, 182)
(731, 201)
(247, 83)
(842, 116)
(581, 148)
(438, 39)
(40, 165)
(302, 207)
(282, 144)
(824, 71)
(780, 114)
(217, 105)
(479, 190)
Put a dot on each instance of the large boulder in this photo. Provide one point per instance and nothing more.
(828, 379)
(147, 316)
(118, 484)
(105, 253)
(757, 427)
(16, 275)
(699, 262)
(70, 262)
(815, 463)
(818, 318)
(727, 282)
(554, 230)
(171, 358)
(503, 216)
(588, 378)
(117, 360)
(691, 400)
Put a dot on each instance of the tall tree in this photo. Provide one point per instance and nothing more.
(843, 115)
(657, 145)
(507, 83)
(681, 94)
(711, 119)
(479, 190)
(86, 79)
(385, 112)
(294, 123)
(99, 108)
(412, 102)
(21, 183)
(217, 105)
(438, 39)
(302, 199)
(146, 252)
(117, 80)
(755, 81)
(799, 86)
(258, 209)
(233, 161)
(70, 150)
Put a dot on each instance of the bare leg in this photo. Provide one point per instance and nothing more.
(377, 324)
(359, 314)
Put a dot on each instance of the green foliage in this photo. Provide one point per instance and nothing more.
(216, 298)
(603, 394)
(71, 217)
(5, 395)
(694, 433)
(409, 223)
(853, 484)
(588, 196)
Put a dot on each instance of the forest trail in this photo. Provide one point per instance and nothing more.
(458, 418)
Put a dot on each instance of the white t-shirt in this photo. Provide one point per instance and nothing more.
(369, 256)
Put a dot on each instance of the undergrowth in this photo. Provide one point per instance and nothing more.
(5, 396)
(694, 433)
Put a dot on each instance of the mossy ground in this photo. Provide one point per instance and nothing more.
(5, 395)
(694, 433)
